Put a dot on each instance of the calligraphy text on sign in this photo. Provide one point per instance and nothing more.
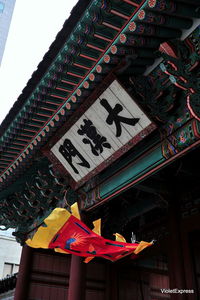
(112, 121)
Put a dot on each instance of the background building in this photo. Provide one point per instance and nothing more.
(6, 11)
(10, 252)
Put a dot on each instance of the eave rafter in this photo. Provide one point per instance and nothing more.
(107, 32)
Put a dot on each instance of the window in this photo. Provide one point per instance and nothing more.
(10, 269)
(15, 269)
(1, 6)
(7, 269)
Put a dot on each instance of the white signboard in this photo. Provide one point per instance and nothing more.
(111, 122)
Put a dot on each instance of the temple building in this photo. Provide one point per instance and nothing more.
(110, 120)
(10, 253)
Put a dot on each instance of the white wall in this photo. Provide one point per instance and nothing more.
(10, 250)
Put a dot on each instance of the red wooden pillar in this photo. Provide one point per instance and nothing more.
(111, 281)
(77, 279)
(189, 225)
(175, 251)
(23, 275)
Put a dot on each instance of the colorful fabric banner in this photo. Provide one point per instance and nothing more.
(66, 233)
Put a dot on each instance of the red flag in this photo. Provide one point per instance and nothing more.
(73, 236)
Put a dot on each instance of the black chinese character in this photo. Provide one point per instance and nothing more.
(68, 151)
(95, 140)
(114, 117)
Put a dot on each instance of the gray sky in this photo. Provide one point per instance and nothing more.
(34, 26)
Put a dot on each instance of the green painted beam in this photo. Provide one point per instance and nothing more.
(137, 169)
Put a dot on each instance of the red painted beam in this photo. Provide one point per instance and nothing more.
(111, 26)
(94, 47)
(64, 90)
(56, 96)
(114, 12)
(102, 38)
(69, 82)
(75, 75)
(88, 57)
(81, 66)
(132, 3)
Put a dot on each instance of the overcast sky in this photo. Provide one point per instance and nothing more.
(34, 26)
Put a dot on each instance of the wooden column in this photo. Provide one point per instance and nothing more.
(114, 282)
(175, 251)
(189, 225)
(77, 279)
(23, 275)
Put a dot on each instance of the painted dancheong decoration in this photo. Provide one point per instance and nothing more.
(111, 122)
(66, 233)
